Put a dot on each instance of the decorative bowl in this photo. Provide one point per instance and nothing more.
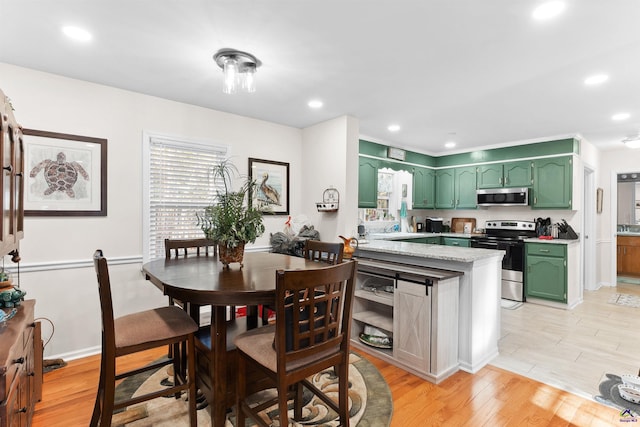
(632, 380)
(629, 393)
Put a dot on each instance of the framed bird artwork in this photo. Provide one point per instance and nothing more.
(272, 185)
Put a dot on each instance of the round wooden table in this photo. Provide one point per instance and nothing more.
(202, 280)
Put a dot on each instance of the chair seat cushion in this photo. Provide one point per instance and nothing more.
(258, 344)
(153, 326)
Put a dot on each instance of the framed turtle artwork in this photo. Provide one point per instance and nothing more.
(272, 185)
(65, 175)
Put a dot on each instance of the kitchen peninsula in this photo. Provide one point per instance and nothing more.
(479, 290)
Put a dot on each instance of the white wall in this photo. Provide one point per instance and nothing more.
(56, 252)
(328, 161)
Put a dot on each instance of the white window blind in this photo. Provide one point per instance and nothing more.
(180, 184)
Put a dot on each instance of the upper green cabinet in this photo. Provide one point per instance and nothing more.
(509, 174)
(552, 183)
(445, 190)
(368, 183)
(456, 188)
(424, 188)
(465, 185)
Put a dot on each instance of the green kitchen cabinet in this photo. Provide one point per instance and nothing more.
(465, 188)
(552, 183)
(456, 241)
(431, 240)
(445, 189)
(546, 271)
(504, 175)
(424, 188)
(368, 183)
(456, 188)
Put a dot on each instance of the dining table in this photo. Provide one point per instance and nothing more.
(203, 281)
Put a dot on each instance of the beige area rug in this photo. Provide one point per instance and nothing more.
(625, 299)
(371, 404)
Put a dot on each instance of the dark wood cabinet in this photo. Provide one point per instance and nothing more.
(11, 180)
(20, 367)
(628, 255)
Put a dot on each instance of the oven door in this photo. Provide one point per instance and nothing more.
(512, 265)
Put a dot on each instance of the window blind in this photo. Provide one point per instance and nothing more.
(180, 184)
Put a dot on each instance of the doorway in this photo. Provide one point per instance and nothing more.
(588, 231)
(625, 217)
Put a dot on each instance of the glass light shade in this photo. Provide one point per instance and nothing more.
(230, 69)
(247, 78)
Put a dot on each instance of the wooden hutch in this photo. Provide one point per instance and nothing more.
(20, 338)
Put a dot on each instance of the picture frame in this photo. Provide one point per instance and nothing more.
(81, 186)
(272, 190)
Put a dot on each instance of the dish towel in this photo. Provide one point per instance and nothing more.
(403, 209)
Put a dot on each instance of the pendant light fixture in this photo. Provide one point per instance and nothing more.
(239, 70)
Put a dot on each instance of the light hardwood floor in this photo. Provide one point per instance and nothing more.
(573, 349)
(492, 397)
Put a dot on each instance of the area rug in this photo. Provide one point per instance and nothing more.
(371, 404)
(625, 299)
(609, 395)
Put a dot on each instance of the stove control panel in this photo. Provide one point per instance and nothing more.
(510, 225)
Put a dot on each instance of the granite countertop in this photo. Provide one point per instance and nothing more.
(627, 233)
(422, 250)
(552, 241)
(401, 235)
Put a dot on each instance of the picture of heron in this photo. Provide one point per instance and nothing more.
(269, 191)
(272, 185)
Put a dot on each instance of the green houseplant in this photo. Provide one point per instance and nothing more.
(232, 220)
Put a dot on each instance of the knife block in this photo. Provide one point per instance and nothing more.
(569, 235)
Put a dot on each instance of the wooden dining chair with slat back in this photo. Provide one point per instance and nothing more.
(182, 248)
(315, 250)
(134, 333)
(311, 334)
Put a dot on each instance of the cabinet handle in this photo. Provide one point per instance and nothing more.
(22, 410)
(8, 168)
(500, 181)
(544, 250)
(19, 360)
(19, 174)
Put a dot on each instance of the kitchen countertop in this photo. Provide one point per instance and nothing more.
(401, 235)
(627, 233)
(422, 250)
(552, 241)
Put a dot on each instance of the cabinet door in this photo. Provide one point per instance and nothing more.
(465, 188)
(424, 188)
(490, 176)
(367, 183)
(433, 240)
(546, 278)
(412, 325)
(517, 174)
(445, 190)
(552, 183)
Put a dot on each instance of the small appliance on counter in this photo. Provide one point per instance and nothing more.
(433, 225)
(419, 227)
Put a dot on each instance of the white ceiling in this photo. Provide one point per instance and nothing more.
(482, 73)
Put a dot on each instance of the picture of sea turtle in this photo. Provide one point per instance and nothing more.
(59, 174)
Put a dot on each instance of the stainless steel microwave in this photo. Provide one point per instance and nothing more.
(503, 197)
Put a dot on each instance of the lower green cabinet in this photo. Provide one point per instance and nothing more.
(431, 240)
(546, 271)
(456, 241)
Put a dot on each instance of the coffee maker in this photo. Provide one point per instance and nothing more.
(433, 225)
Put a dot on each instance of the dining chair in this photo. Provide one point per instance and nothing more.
(311, 334)
(315, 250)
(137, 332)
(183, 247)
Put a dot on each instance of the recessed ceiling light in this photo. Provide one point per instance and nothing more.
(620, 116)
(393, 128)
(548, 10)
(77, 33)
(449, 144)
(596, 79)
(315, 103)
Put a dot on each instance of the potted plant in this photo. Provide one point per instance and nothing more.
(232, 221)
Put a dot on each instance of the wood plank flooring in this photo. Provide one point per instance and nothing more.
(492, 397)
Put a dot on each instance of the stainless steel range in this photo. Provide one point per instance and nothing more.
(508, 236)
